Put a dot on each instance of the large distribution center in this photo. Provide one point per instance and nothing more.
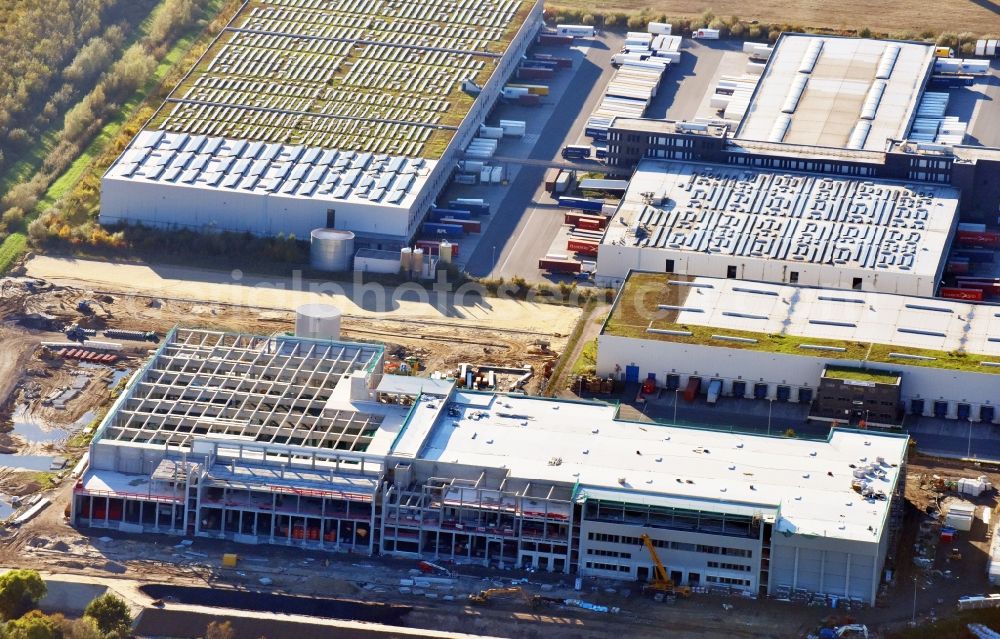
(853, 356)
(702, 219)
(302, 116)
(305, 442)
(875, 109)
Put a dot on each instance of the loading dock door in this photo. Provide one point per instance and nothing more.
(986, 414)
(673, 381)
(916, 407)
(806, 395)
(940, 409)
(632, 374)
(964, 411)
(739, 389)
(760, 391)
(784, 393)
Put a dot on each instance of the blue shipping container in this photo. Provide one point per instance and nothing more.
(437, 214)
(581, 203)
(475, 209)
(437, 228)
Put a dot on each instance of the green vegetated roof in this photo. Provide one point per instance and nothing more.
(636, 309)
(862, 374)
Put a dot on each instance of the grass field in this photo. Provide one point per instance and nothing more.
(893, 16)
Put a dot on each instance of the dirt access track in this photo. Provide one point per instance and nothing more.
(894, 16)
(409, 301)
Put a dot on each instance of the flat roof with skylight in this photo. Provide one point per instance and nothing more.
(805, 485)
(826, 91)
(852, 325)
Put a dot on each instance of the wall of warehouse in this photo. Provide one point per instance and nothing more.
(661, 357)
(607, 551)
(828, 566)
(614, 263)
(174, 205)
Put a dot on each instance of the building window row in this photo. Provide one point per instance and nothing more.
(726, 566)
(609, 567)
(672, 545)
(609, 553)
(712, 579)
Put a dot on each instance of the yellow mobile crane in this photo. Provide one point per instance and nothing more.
(661, 582)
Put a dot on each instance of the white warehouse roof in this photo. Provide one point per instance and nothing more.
(808, 483)
(837, 92)
(790, 217)
(241, 166)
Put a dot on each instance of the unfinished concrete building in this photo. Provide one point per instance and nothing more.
(304, 442)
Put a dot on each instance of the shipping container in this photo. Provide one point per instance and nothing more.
(584, 204)
(978, 238)
(970, 294)
(551, 176)
(582, 220)
(563, 183)
(576, 151)
(692, 388)
(659, 28)
(562, 63)
(473, 205)
(529, 99)
(533, 89)
(559, 265)
(575, 30)
(468, 226)
(977, 256)
(441, 229)
(534, 73)
(553, 39)
(706, 34)
(584, 247)
(437, 214)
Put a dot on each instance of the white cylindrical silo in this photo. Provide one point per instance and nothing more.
(331, 249)
(405, 261)
(317, 321)
(444, 252)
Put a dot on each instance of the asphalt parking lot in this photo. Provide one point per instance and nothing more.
(526, 222)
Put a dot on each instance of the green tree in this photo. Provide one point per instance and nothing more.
(20, 591)
(34, 625)
(110, 613)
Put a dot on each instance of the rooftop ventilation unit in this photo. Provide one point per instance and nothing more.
(811, 56)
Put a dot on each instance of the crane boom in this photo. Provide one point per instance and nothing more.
(661, 571)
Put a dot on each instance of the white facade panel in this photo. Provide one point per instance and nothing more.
(663, 357)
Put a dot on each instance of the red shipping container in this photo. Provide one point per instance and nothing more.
(582, 246)
(971, 294)
(979, 238)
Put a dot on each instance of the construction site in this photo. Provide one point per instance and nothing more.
(412, 547)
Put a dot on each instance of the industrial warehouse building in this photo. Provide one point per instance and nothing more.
(722, 221)
(302, 116)
(836, 106)
(853, 356)
(305, 442)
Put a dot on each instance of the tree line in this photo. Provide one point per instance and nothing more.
(73, 64)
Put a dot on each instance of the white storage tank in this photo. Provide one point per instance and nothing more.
(444, 252)
(331, 249)
(405, 259)
(317, 321)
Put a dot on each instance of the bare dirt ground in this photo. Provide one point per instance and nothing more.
(953, 16)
